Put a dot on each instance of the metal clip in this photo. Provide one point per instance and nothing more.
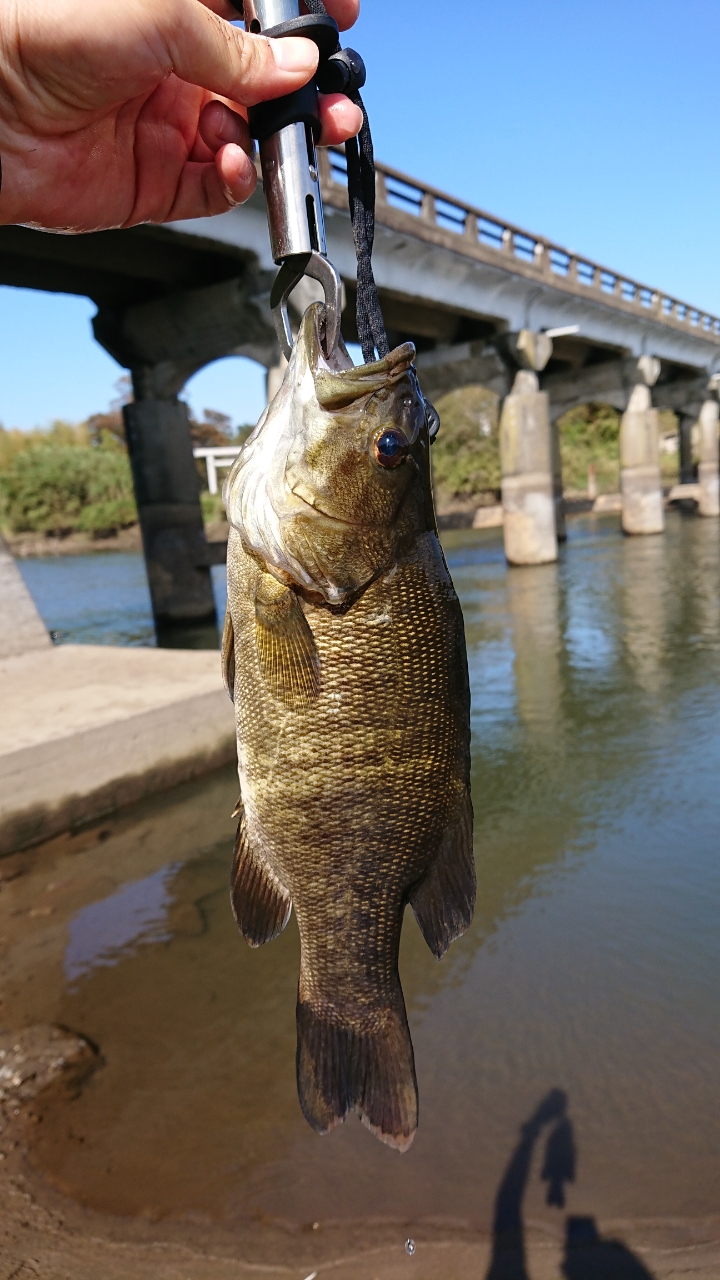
(290, 274)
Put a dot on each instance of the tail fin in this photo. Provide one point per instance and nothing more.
(371, 1071)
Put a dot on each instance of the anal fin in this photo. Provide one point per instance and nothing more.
(443, 901)
(286, 646)
(261, 904)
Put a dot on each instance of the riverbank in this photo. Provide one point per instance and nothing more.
(461, 513)
(29, 545)
(88, 728)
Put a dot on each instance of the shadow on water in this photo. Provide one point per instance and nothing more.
(587, 1256)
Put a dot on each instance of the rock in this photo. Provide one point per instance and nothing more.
(39, 1059)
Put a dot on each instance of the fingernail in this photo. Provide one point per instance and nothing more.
(295, 54)
(245, 167)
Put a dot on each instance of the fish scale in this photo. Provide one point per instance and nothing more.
(355, 777)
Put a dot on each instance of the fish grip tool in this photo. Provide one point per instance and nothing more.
(287, 130)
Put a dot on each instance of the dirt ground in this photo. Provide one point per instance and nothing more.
(44, 1235)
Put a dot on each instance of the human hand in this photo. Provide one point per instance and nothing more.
(115, 112)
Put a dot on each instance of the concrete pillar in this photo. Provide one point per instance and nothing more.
(640, 484)
(21, 627)
(163, 342)
(708, 478)
(167, 492)
(526, 457)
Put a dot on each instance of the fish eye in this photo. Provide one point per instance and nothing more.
(391, 448)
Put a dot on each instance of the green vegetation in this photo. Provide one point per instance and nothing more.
(466, 454)
(75, 477)
(58, 489)
(589, 435)
(212, 507)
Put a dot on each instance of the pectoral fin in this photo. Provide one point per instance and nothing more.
(228, 655)
(261, 904)
(286, 646)
(444, 899)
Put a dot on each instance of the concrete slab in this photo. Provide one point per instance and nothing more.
(87, 728)
(21, 627)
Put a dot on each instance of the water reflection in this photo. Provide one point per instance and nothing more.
(103, 932)
(643, 610)
(533, 599)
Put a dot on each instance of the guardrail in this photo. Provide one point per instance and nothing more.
(219, 456)
(441, 219)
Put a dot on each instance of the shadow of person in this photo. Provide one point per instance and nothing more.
(559, 1164)
(589, 1257)
(508, 1260)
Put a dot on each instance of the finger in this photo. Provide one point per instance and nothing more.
(341, 119)
(345, 12)
(205, 50)
(218, 124)
(208, 189)
(237, 172)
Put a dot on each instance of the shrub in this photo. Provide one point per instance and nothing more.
(466, 454)
(55, 489)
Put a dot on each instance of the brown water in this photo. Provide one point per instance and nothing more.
(591, 966)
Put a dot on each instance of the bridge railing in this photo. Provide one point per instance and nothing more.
(216, 457)
(474, 229)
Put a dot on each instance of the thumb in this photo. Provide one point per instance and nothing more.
(209, 52)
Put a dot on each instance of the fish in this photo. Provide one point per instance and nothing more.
(344, 652)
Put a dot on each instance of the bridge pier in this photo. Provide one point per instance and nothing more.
(167, 492)
(162, 343)
(708, 469)
(640, 484)
(527, 460)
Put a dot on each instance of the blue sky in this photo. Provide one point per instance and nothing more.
(595, 124)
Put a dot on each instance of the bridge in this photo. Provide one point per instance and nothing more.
(457, 281)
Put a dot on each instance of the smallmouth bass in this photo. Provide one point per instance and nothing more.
(344, 652)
